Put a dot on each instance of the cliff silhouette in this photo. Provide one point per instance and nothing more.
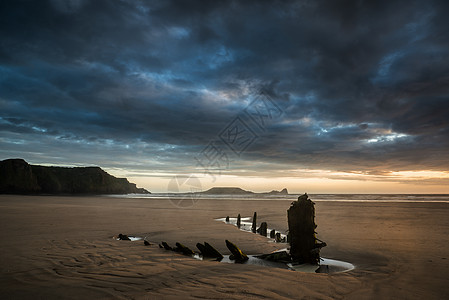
(19, 177)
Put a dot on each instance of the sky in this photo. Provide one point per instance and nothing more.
(315, 96)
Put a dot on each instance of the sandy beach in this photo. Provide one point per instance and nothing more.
(57, 247)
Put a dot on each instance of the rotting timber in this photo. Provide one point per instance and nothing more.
(304, 246)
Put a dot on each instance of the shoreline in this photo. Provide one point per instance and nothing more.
(387, 198)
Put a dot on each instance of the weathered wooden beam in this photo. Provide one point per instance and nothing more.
(301, 226)
(166, 246)
(208, 251)
(278, 237)
(254, 226)
(237, 254)
(280, 256)
(263, 229)
(183, 249)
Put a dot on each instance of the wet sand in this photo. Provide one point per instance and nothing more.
(63, 248)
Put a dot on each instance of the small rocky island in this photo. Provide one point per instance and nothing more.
(239, 191)
(19, 177)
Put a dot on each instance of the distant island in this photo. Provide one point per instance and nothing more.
(19, 177)
(239, 191)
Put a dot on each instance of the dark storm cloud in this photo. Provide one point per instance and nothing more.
(363, 84)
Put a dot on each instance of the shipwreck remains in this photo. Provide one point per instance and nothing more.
(236, 253)
(304, 246)
(279, 238)
(208, 250)
(263, 229)
(165, 246)
(123, 237)
(183, 249)
(254, 226)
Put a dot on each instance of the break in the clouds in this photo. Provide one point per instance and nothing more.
(145, 85)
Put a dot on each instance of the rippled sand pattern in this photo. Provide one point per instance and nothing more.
(62, 248)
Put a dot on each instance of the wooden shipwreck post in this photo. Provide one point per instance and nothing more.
(254, 226)
(238, 221)
(304, 246)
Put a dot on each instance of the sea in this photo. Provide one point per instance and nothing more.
(405, 198)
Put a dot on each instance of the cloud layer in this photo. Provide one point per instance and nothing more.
(145, 86)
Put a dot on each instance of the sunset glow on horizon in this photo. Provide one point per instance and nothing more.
(316, 182)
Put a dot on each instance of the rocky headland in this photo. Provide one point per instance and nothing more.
(19, 177)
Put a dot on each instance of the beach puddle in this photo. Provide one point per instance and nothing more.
(252, 260)
(327, 265)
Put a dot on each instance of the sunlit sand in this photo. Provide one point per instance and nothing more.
(62, 247)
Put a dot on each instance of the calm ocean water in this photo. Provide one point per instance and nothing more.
(437, 198)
